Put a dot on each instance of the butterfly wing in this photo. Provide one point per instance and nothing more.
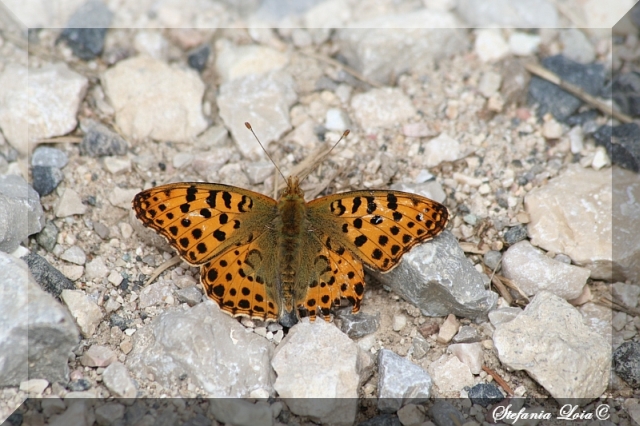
(241, 279)
(377, 226)
(203, 220)
(334, 276)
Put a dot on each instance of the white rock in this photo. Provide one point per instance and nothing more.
(551, 129)
(69, 204)
(576, 46)
(600, 159)
(121, 197)
(523, 44)
(117, 165)
(182, 159)
(263, 100)
(152, 43)
(234, 62)
(550, 341)
(533, 272)
(329, 391)
(117, 379)
(489, 83)
(382, 108)
(399, 321)
(448, 329)
(86, 312)
(41, 106)
(470, 354)
(98, 356)
(74, 254)
(34, 386)
(450, 374)
(572, 214)
(155, 100)
(440, 149)
(629, 294)
(490, 46)
(337, 119)
(233, 362)
(115, 278)
(411, 415)
(96, 269)
(576, 138)
(386, 46)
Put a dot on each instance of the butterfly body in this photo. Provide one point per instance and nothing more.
(280, 260)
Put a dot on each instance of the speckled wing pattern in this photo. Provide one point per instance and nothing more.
(224, 229)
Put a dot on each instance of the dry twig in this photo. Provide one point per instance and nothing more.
(498, 380)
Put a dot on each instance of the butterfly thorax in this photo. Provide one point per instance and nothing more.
(291, 223)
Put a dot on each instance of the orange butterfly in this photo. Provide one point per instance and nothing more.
(286, 259)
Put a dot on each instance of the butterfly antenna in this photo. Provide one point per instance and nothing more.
(344, 135)
(248, 126)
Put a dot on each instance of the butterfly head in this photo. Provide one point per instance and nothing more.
(293, 187)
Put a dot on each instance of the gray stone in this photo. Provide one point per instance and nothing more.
(263, 98)
(515, 234)
(443, 413)
(502, 315)
(626, 220)
(74, 254)
(100, 141)
(550, 341)
(492, 259)
(231, 362)
(330, 390)
(533, 272)
(49, 278)
(101, 229)
(418, 40)
(358, 325)
(400, 382)
(79, 411)
(49, 157)
(45, 179)
(36, 333)
(485, 394)
(238, 412)
(167, 107)
(626, 363)
(190, 295)
(508, 13)
(467, 334)
(21, 213)
(109, 413)
(439, 279)
(87, 28)
(117, 379)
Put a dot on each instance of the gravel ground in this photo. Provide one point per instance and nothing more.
(494, 151)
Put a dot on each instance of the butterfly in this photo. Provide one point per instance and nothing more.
(281, 260)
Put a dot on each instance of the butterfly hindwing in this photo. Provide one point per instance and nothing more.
(377, 226)
(333, 276)
(241, 279)
(202, 220)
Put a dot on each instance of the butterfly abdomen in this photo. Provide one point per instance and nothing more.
(291, 223)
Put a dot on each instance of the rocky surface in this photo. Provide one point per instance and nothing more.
(434, 108)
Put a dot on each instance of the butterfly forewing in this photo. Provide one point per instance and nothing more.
(202, 220)
(378, 226)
